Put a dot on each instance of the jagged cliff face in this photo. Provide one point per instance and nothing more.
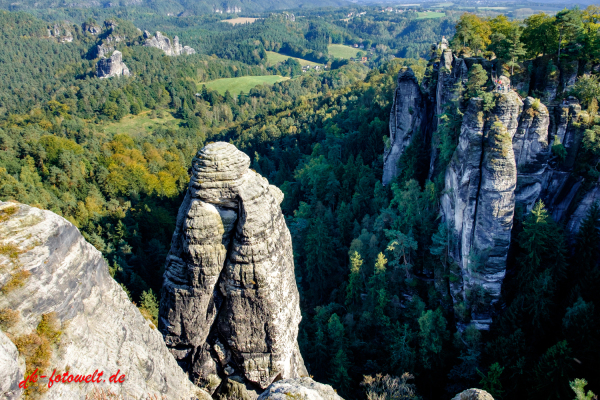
(405, 121)
(101, 329)
(503, 162)
(112, 66)
(230, 305)
(164, 43)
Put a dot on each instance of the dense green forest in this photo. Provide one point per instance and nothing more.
(370, 260)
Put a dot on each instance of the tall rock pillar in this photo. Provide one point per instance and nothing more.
(405, 120)
(478, 205)
(230, 305)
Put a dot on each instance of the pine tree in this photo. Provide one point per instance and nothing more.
(432, 336)
(378, 295)
(477, 79)
(355, 281)
(339, 364)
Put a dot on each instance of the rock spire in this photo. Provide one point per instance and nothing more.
(230, 305)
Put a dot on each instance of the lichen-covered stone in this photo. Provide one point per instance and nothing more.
(102, 329)
(229, 303)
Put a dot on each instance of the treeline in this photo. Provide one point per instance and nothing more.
(568, 35)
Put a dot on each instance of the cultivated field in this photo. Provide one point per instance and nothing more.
(273, 58)
(341, 51)
(241, 84)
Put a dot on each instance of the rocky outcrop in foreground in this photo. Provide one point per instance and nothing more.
(473, 394)
(52, 270)
(164, 43)
(112, 66)
(230, 305)
(301, 388)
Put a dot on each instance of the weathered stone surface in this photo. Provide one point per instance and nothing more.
(12, 371)
(462, 179)
(301, 388)
(229, 303)
(478, 204)
(473, 394)
(405, 121)
(568, 74)
(494, 215)
(102, 329)
(113, 66)
(102, 50)
(164, 43)
(531, 149)
(581, 212)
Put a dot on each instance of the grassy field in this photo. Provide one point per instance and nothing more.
(430, 15)
(235, 21)
(241, 84)
(273, 58)
(137, 125)
(341, 51)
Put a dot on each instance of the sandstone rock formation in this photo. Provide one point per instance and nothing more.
(91, 28)
(112, 66)
(405, 121)
(11, 369)
(531, 149)
(478, 204)
(102, 50)
(61, 32)
(581, 212)
(164, 43)
(101, 329)
(303, 388)
(473, 394)
(230, 305)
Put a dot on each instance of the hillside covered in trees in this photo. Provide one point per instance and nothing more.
(371, 261)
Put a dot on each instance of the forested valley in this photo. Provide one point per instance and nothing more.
(371, 261)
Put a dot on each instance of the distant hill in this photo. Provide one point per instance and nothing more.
(178, 7)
